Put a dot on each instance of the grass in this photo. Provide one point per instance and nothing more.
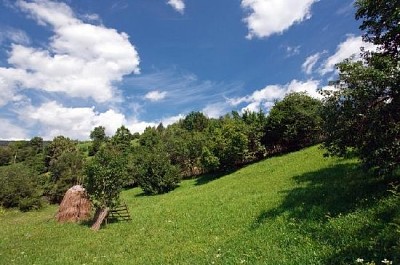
(299, 208)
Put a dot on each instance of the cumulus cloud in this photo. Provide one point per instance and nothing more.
(178, 5)
(268, 17)
(76, 123)
(266, 97)
(351, 47)
(155, 95)
(82, 60)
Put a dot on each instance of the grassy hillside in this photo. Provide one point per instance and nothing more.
(299, 208)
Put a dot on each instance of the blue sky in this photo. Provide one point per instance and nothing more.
(69, 66)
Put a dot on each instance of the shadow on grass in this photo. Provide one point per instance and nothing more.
(328, 193)
(323, 197)
(206, 178)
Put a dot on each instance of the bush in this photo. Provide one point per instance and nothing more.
(293, 123)
(154, 172)
(19, 187)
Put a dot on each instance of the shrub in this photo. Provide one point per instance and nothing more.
(19, 187)
(154, 172)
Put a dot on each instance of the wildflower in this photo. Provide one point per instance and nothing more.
(359, 260)
(385, 261)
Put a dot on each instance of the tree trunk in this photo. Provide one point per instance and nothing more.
(101, 214)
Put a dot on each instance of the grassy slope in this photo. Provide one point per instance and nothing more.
(295, 209)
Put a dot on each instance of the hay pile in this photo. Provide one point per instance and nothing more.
(75, 206)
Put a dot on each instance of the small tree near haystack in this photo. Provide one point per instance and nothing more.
(105, 176)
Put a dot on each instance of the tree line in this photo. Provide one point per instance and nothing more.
(157, 159)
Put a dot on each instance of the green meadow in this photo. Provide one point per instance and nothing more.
(299, 208)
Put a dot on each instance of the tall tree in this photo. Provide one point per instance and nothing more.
(65, 164)
(363, 113)
(293, 123)
(98, 137)
(195, 121)
(122, 139)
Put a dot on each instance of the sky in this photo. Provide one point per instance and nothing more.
(69, 66)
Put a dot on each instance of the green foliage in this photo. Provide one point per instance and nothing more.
(195, 121)
(106, 174)
(363, 114)
(19, 187)
(37, 144)
(255, 123)
(150, 137)
(380, 20)
(98, 137)
(122, 139)
(66, 171)
(57, 147)
(65, 165)
(5, 155)
(230, 142)
(154, 172)
(293, 123)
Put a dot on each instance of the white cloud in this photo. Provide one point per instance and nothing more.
(216, 110)
(310, 62)
(82, 60)
(350, 47)
(267, 17)
(155, 95)
(170, 120)
(54, 119)
(10, 131)
(76, 123)
(135, 125)
(266, 97)
(178, 5)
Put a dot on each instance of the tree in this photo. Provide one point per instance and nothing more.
(98, 137)
(380, 20)
(255, 122)
(293, 123)
(122, 139)
(36, 143)
(195, 121)
(363, 114)
(19, 187)
(66, 171)
(58, 146)
(64, 163)
(105, 177)
(154, 172)
(230, 143)
(5, 155)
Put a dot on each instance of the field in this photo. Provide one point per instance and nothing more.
(299, 208)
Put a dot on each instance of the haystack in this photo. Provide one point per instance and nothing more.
(75, 206)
